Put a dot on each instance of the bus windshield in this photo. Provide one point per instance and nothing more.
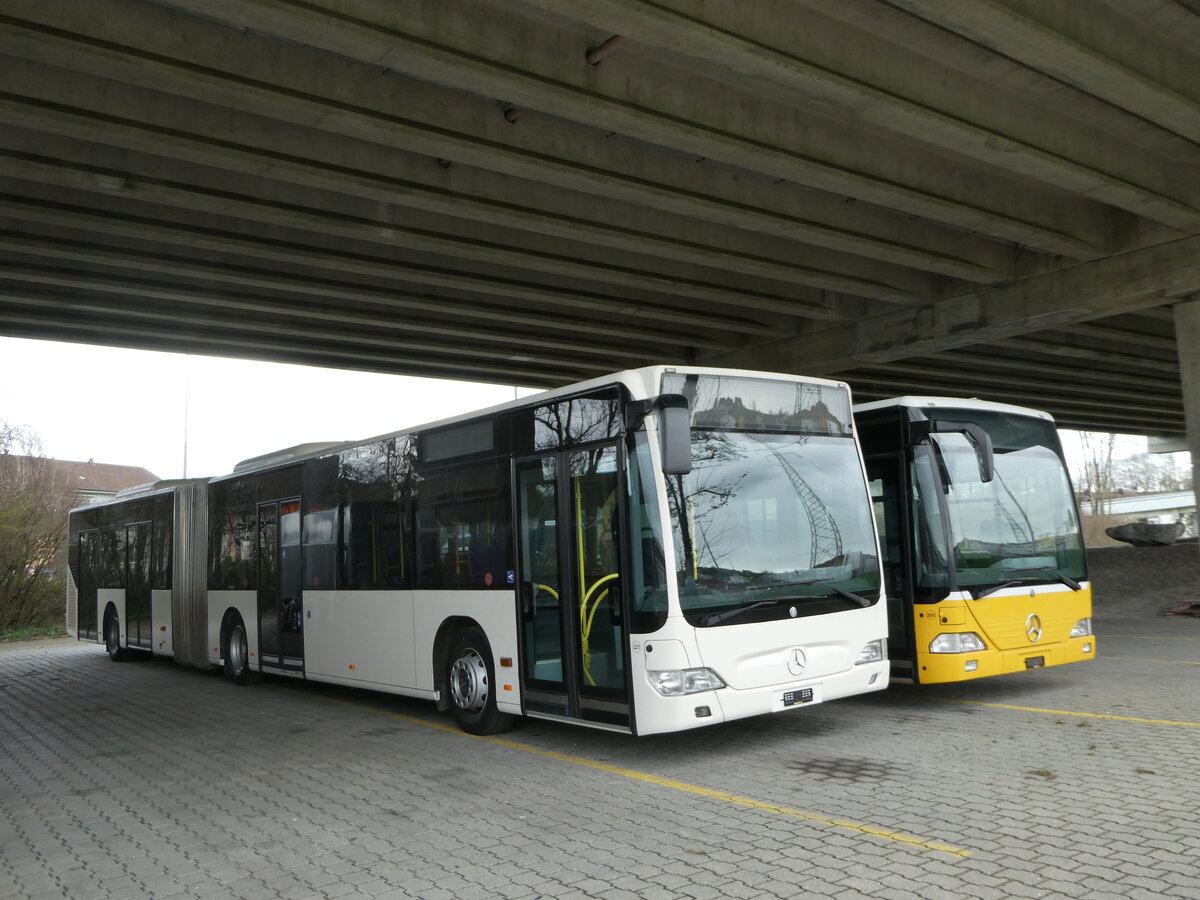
(773, 522)
(1020, 527)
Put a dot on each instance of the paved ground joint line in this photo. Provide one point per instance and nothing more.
(725, 796)
(1143, 659)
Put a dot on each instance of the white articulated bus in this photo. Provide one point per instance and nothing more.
(982, 548)
(652, 551)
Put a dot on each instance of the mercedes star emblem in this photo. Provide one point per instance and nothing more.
(796, 661)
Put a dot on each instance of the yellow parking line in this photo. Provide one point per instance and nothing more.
(1067, 712)
(724, 796)
(1178, 662)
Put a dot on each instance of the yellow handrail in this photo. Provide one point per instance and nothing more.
(585, 623)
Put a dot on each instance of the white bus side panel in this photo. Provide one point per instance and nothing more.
(163, 643)
(495, 611)
(360, 636)
(105, 596)
(246, 603)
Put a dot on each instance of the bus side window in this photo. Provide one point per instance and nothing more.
(463, 518)
(320, 548)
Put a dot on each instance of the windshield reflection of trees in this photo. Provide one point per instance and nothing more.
(1023, 519)
(767, 514)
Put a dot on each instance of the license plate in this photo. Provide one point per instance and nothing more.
(1035, 662)
(798, 697)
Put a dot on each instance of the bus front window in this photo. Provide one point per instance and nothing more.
(1020, 526)
(771, 523)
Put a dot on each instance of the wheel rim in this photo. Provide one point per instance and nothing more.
(237, 649)
(469, 682)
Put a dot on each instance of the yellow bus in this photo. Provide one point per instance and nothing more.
(983, 555)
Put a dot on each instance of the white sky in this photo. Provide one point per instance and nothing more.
(126, 407)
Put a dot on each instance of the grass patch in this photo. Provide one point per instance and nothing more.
(33, 633)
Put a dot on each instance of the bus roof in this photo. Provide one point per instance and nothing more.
(642, 384)
(149, 489)
(953, 403)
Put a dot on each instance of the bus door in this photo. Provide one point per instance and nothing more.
(89, 569)
(280, 610)
(138, 631)
(573, 614)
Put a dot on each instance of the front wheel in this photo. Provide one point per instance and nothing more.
(237, 654)
(470, 679)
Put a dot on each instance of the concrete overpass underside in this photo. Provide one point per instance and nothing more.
(996, 197)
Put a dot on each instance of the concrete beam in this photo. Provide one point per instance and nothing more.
(1136, 280)
(1112, 357)
(600, 314)
(1120, 333)
(731, 252)
(240, 68)
(457, 316)
(1014, 30)
(978, 375)
(1003, 360)
(264, 345)
(107, 335)
(197, 311)
(349, 309)
(322, 215)
(786, 76)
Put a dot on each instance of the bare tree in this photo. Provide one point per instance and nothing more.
(34, 500)
(1097, 483)
(1148, 473)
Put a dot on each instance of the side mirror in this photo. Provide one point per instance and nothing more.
(675, 434)
(919, 431)
(674, 429)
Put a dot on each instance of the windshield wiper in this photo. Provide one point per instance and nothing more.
(718, 618)
(1059, 576)
(997, 587)
(1069, 582)
(841, 592)
(849, 595)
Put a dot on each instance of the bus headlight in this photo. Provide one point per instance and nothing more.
(873, 652)
(677, 682)
(1082, 628)
(966, 642)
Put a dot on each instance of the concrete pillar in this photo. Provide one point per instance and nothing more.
(1187, 339)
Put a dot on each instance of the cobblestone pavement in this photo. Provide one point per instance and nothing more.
(145, 779)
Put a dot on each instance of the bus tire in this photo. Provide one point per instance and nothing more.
(112, 638)
(470, 681)
(236, 653)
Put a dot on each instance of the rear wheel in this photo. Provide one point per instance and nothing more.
(112, 638)
(470, 680)
(237, 654)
